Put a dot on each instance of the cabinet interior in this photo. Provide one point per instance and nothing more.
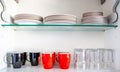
(54, 40)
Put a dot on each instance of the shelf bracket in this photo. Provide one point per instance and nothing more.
(17, 1)
(102, 1)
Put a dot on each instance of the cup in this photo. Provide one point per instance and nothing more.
(91, 55)
(99, 58)
(108, 59)
(17, 60)
(48, 60)
(8, 58)
(80, 59)
(57, 57)
(34, 58)
(64, 60)
(11, 57)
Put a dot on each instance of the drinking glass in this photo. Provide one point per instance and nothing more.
(91, 58)
(99, 58)
(108, 58)
(79, 57)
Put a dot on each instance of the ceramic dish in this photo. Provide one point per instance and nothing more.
(26, 21)
(95, 22)
(27, 18)
(94, 19)
(92, 14)
(57, 17)
(60, 22)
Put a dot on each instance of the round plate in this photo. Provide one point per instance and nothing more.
(26, 21)
(60, 22)
(57, 17)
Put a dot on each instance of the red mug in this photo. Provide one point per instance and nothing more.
(57, 56)
(48, 60)
(64, 59)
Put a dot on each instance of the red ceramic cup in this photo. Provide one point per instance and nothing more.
(48, 60)
(57, 56)
(64, 59)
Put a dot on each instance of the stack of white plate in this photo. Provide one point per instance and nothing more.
(27, 19)
(94, 18)
(60, 19)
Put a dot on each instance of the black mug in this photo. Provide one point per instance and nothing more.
(34, 58)
(17, 60)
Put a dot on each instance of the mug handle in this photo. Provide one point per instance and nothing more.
(39, 59)
(57, 59)
(5, 58)
(28, 57)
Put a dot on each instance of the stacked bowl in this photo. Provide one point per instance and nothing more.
(60, 19)
(28, 19)
(94, 17)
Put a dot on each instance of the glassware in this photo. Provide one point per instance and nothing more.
(91, 58)
(94, 59)
(99, 58)
(108, 59)
(79, 57)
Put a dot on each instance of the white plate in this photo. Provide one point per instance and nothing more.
(26, 21)
(60, 22)
(64, 16)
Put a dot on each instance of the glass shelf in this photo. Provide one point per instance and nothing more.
(60, 27)
(57, 69)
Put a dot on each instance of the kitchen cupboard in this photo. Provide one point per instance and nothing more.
(33, 39)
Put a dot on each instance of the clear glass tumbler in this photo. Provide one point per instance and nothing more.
(91, 58)
(99, 58)
(108, 58)
(79, 58)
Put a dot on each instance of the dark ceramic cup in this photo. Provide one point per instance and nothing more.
(34, 58)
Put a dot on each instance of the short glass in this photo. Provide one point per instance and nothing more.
(79, 57)
(91, 58)
(108, 59)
